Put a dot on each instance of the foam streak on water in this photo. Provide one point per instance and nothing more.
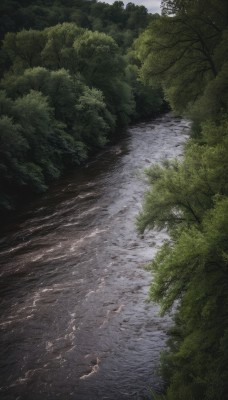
(74, 320)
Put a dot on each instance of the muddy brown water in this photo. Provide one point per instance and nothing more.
(74, 321)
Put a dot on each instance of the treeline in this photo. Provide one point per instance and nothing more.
(123, 24)
(66, 89)
(186, 49)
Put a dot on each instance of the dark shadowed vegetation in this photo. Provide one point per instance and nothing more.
(69, 83)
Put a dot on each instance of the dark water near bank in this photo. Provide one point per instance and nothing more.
(74, 319)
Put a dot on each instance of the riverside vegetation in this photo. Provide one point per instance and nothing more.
(69, 82)
(186, 50)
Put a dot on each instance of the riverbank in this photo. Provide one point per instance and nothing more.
(73, 284)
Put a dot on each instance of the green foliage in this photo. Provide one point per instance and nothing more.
(93, 119)
(214, 101)
(91, 14)
(197, 361)
(102, 66)
(24, 48)
(149, 100)
(58, 51)
(182, 191)
(64, 89)
(187, 52)
(120, 101)
(190, 199)
(97, 54)
(34, 115)
(12, 148)
(34, 147)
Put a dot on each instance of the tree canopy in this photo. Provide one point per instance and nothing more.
(186, 50)
(65, 89)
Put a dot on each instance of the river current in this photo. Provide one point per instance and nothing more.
(75, 322)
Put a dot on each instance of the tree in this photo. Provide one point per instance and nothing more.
(12, 149)
(93, 119)
(64, 89)
(190, 276)
(194, 271)
(61, 89)
(213, 104)
(137, 16)
(35, 117)
(182, 50)
(103, 67)
(185, 51)
(149, 100)
(98, 57)
(24, 48)
(34, 146)
(182, 191)
(58, 51)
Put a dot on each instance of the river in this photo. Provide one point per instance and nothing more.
(75, 322)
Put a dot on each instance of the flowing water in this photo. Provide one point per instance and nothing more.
(74, 321)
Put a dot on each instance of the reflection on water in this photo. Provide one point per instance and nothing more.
(74, 318)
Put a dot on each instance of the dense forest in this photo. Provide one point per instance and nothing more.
(186, 50)
(73, 74)
(69, 83)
